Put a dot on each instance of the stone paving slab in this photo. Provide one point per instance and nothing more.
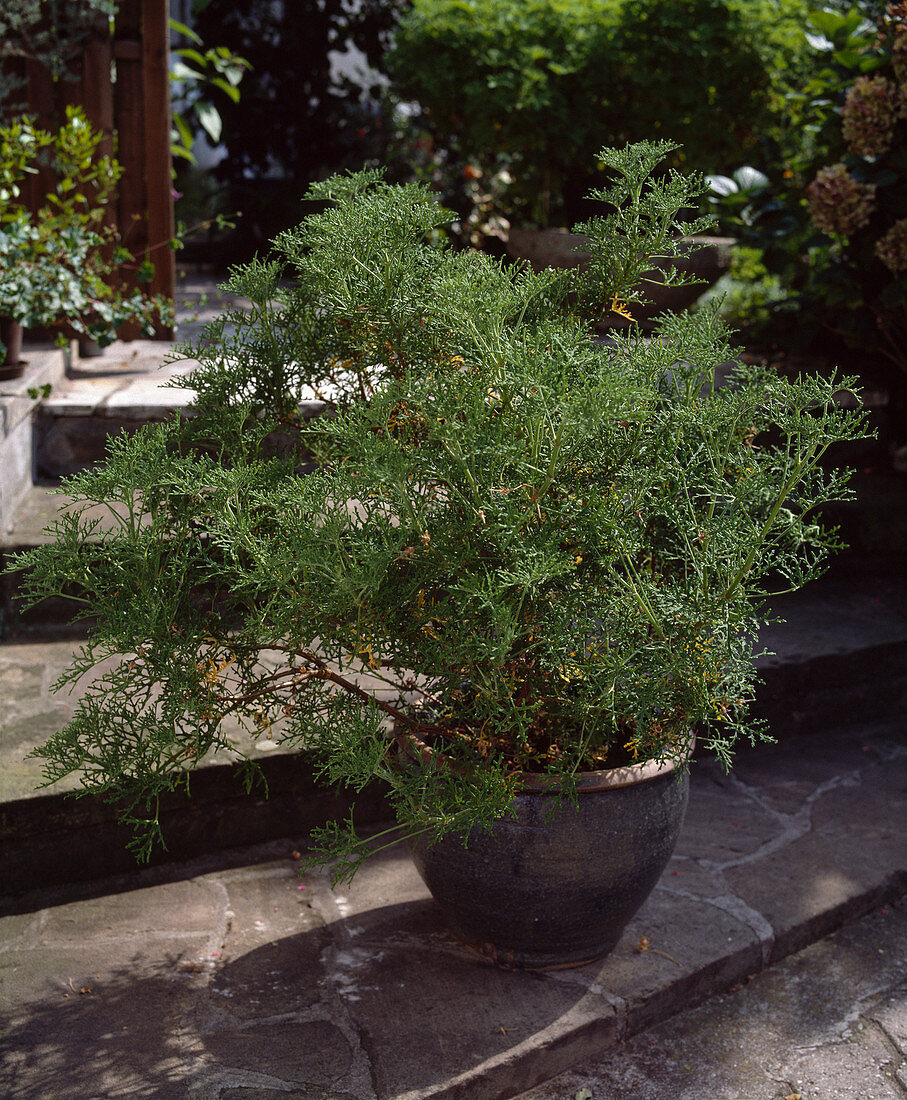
(131, 377)
(249, 981)
(829, 1023)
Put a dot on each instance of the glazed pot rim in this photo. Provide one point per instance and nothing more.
(626, 775)
(608, 778)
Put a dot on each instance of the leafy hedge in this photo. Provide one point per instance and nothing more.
(536, 86)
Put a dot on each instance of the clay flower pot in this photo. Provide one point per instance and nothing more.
(554, 886)
(11, 366)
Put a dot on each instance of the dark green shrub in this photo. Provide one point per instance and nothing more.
(534, 87)
(707, 73)
(521, 84)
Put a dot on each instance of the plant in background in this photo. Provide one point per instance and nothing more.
(830, 223)
(518, 548)
(709, 74)
(194, 75)
(524, 86)
(199, 77)
(534, 89)
(871, 108)
(838, 204)
(748, 294)
(65, 262)
(859, 204)
(49, 32)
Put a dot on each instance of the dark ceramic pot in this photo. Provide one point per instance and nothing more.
(707, 259)
(89, 349)
(11, 366)
(555, 887)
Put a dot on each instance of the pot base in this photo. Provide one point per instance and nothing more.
(554, 885)
(512, 960)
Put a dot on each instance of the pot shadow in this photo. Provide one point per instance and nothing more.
(421, 1008)
(379, 1003)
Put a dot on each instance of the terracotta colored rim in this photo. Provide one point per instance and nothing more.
(606, 779)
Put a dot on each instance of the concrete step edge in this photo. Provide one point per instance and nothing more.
(595, 1023)
(63, 842)
(520, 1070)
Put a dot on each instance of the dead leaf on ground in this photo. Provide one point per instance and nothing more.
(644, 946)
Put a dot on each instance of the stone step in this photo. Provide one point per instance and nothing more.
(839, 658)
(259, 979)
(48, 838)
(127, 386)
(26, 526)
(120, 388)
(828, 1021)
(123, 387)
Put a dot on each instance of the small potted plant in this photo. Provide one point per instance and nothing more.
(523, 569)
(63, 262)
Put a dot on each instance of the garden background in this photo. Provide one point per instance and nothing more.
(795, 112)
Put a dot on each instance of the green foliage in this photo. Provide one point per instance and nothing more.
(642, 224)
(195, 74)
(518, 548)
(59, 262)
(534, 88)
(703, 72)
(833, 224)
(526, 82)
(49, 32)
(747, 293)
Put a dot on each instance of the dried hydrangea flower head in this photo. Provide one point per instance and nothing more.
(892, 248)
(839, 204)
(871, 109)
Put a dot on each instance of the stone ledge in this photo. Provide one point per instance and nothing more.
(45, 366)
(359, 992)
(57, 840)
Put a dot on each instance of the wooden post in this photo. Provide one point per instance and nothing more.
(128, 120)
(158, 178)
(142, 122)
(97, 87)
(42, 105)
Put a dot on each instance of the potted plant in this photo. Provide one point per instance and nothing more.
(519, 556)
(63, 262)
